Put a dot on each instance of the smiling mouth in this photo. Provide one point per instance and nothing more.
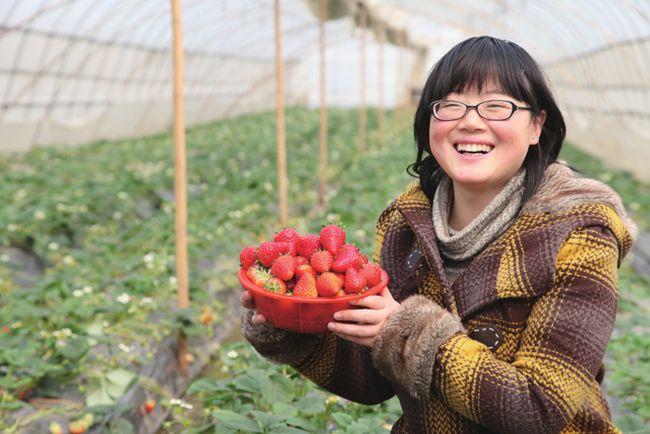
(473, 148)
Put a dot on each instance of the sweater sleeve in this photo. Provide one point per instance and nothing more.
(561, 349)
(335, 364)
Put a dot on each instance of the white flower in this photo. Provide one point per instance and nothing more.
(117, 215)
(20, 194)
(124, 298)
(180, 403)
(122, 195)
(148, 258)
(122, 346)
(40, 215)
(78, 293)
(4, 258)
(173, 281)
(62, 334)
(232, 354)
(268, 187)
(87, 289)
(146, 301)
(12, 227)
(360, 233)
(68, 260)
(53, 246)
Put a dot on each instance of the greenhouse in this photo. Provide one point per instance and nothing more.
(161, 161)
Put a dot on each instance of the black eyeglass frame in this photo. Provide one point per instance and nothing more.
(514, 106)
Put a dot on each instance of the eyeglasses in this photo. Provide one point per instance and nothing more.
(492, 110)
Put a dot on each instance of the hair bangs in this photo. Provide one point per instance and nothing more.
(483, 65)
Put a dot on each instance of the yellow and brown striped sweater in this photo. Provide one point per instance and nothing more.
(535, 311)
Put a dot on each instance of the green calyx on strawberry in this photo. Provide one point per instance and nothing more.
(283, 267)
(248, 257)
(257, 276)
(308, 245)
(275, 284)
(332, 237)
(306, 286)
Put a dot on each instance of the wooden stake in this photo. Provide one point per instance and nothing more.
(279, 102)
(362, 86)
(322, 150)
(180, 190)
(381, 115)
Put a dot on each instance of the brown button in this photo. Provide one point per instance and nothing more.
(415, 269)
(489, 335)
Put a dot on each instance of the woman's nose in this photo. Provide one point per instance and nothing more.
(471, 120)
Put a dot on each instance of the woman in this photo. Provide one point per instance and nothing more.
(502, 262)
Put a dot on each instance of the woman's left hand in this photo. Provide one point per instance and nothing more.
(378, 309)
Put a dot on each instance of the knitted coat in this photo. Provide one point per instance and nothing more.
(514, 345)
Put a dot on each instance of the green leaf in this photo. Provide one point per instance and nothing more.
(283, 429)
(236, 421)
(284, 409)
(75, 348)
(120, 426)
(311, 404)
(266, 419)
(98, 396)
(342, 419)
(120, 377)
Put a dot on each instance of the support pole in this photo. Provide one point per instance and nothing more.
(279, 102)
(322, 150)
(362, 85)
(381, 115)
(180, 183)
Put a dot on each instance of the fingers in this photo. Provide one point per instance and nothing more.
(247, 300)
(371, 302)
(353, 330)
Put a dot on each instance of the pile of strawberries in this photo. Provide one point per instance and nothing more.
(313, 265)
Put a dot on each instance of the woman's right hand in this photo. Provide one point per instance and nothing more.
(248, 302)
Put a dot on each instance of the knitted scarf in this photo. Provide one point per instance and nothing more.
(458, 248)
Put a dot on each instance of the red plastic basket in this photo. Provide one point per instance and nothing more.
(303, 314)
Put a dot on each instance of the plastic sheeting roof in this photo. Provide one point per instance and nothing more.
(72, 71)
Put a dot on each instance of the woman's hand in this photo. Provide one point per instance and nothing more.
(378, 309)
(248, 302)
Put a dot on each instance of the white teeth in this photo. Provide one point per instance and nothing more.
(472, 147)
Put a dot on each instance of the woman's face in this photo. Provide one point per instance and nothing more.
(507, 142)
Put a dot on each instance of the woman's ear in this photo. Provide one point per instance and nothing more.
(538, 123)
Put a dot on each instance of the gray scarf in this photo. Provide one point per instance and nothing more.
(458, 248)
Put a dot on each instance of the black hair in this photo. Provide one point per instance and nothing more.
(478, 62)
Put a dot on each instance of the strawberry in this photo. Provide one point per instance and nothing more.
(257, 276)
(277, 285)
(300, 260)
(307, 245)
(306, 286)
(149, 405)
(283, 248)
(247, 257)
(283, 267)
(321, 261)
(267, 252)
(332, 237)
(347, 257)
(363, 259)
(341, 293)
(304, 268)
(355, 281)
(328, 285)
(290, 236)
(341, 277)
(372, 272)
(77, 427)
